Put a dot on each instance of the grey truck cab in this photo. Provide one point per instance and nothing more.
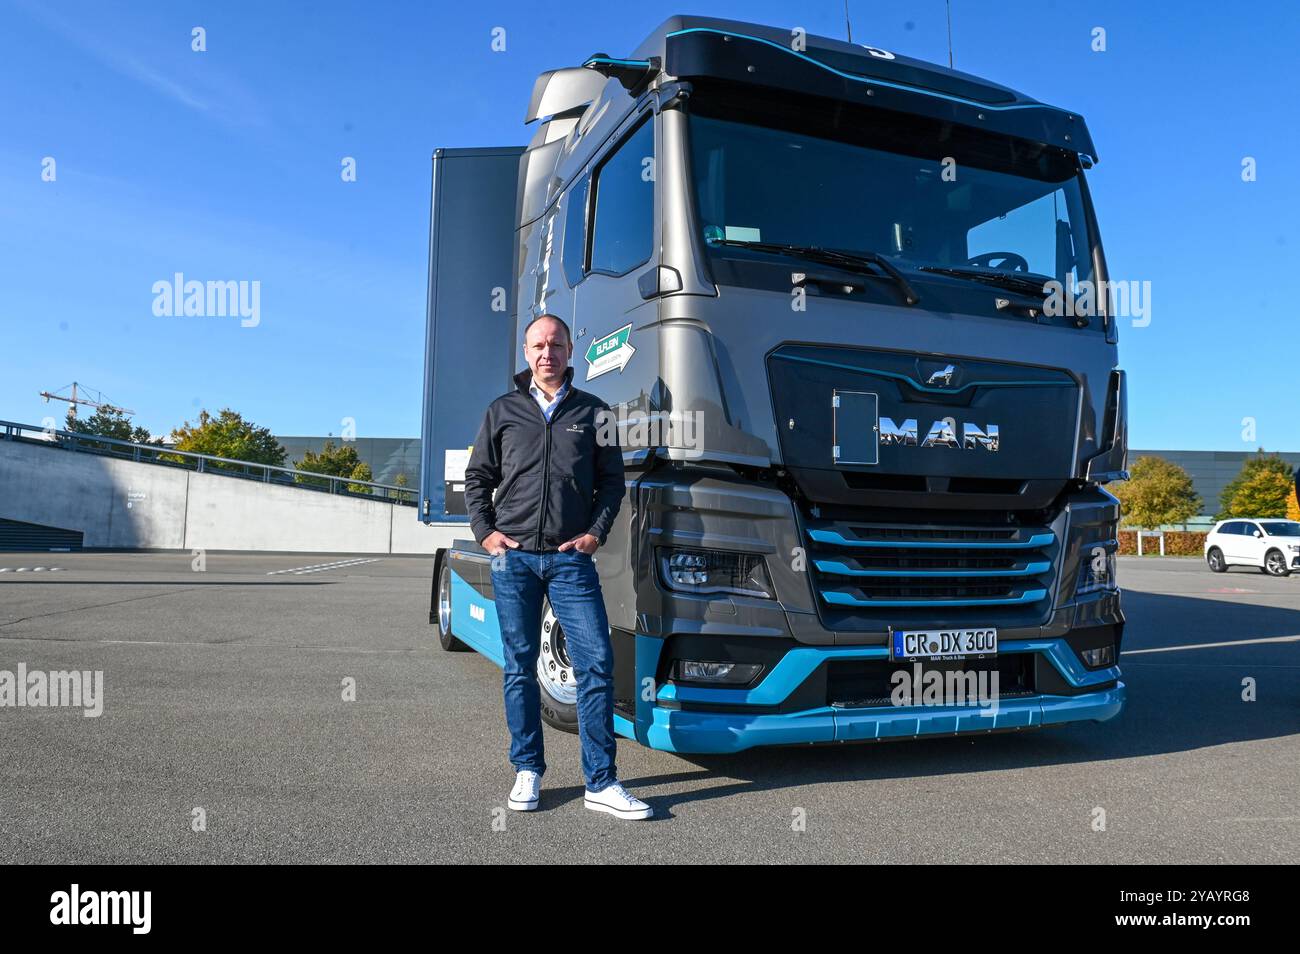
(814, 282)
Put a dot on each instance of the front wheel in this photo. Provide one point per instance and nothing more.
(446, 638)
(1275, 564)
(555, 675)
(1215, 560)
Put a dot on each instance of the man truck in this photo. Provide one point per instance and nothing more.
(814, 282)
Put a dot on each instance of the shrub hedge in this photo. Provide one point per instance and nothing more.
(1177, 543)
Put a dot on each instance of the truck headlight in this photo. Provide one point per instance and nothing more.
(714, 571)
(1097, 568)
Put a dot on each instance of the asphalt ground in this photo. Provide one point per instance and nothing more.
(223, 700)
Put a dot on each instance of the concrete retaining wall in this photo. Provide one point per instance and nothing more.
(124, 504)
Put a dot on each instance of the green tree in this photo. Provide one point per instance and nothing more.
(361, 472)
(107, 422)
(229, 435)
(1264, 494)
(1260, 463)
(401, 480)
(336, 461)
(1157, 492)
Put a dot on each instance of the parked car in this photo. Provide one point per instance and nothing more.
(1271, 545)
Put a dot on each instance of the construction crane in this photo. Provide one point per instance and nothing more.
(99, 404)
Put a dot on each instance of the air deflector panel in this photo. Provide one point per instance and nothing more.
(927, 418)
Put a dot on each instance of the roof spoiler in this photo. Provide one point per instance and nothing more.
(559, 91)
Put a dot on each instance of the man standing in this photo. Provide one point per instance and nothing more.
(557, 493)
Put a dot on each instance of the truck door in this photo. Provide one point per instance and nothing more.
(614, 356)
(611, 358)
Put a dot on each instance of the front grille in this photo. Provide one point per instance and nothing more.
(894, 573)
(868, 683)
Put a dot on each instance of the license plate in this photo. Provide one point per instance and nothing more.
(942, 643)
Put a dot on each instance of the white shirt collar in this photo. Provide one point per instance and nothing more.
(537, 392)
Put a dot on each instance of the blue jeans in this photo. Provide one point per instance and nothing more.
(519, 580)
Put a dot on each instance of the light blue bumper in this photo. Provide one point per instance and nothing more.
(674, 730)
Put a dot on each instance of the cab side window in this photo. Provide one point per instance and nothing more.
(575, 232)
(623, 222)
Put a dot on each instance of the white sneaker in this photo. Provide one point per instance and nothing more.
(524, 796)
(614, 798)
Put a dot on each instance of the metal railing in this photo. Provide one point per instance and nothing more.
(206, 463)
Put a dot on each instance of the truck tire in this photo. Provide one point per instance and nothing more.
(555, 678)
(1275, 563)
(1215, 560)
(446, 638)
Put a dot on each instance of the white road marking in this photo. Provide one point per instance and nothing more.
(1281, 818)
(32, 569)
(334, 566)
(189, 644)
(321, 567)
(1234, 642)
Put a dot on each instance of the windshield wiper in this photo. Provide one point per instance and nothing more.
(849, 261)
(1019, 283)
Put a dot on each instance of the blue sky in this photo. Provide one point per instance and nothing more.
(226, 165)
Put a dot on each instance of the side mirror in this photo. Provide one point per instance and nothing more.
(659, 280)
(1259, 534)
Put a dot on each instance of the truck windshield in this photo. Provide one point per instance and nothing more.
(926, 194)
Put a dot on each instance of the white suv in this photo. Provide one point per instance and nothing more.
(1271, 545)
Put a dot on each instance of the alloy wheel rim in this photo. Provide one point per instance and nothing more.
(444, 601)
(554, 669)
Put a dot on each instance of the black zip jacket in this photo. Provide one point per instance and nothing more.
(554, 480)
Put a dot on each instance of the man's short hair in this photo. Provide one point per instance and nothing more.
(556, 318)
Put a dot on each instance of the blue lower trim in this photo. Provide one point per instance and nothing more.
(624, 726)
(840, 569)
(614, 61)
(798, 664)
(835, 598)
(675, 730)
(648, 649)
(1067, 663)
(715, 732)
(834, 537)
(483, 635)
